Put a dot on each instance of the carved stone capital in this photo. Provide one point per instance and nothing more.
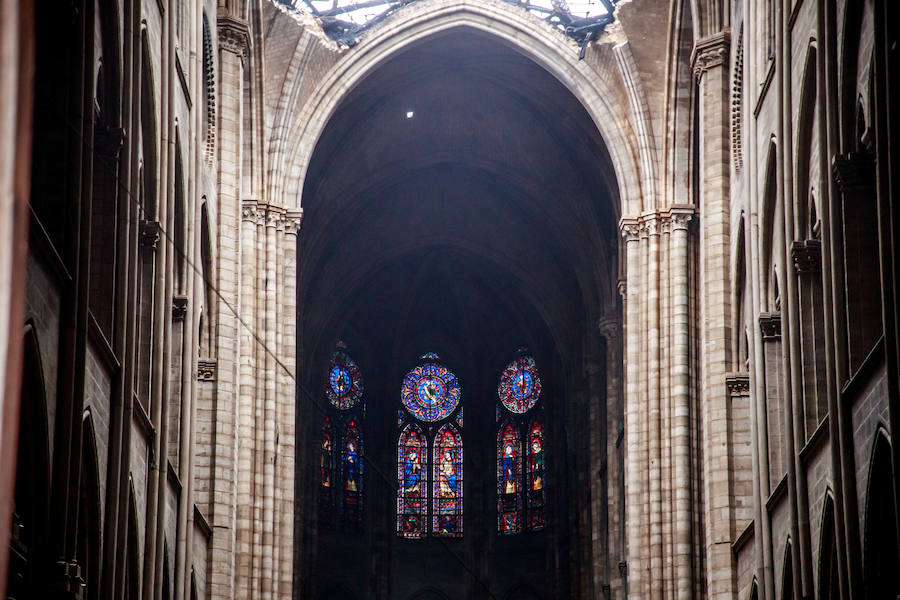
(150, 234)
(630, 228)
(710, 52)
(770, 326)
(234, 35)
(252, 212)
(807, 256)
(179, 307)
(854, 171)
(206, 370)
(609, 327)
(738, 384)
(274, 217)
(680, 216)
(292, 221)
(650, 224)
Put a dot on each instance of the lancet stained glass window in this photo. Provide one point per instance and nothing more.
(521, 445)
(447, 503)
(351, 476)
(509, 478)
(345, 385)
(534, 476)
(412, 499)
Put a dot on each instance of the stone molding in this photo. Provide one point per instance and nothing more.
(179, 307)
(853, 171)
(770, 325)
(807, 256)
(234, 35)
(150, 231)
(737, 384)
(710, 52)
(206, 369)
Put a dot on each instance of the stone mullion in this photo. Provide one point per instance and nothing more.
(634, 490)
(232, 38)
(711, 72)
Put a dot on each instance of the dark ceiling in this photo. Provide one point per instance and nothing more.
(487, 219)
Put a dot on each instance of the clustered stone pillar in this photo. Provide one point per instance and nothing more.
(659, 444)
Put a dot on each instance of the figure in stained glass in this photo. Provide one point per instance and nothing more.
(509, 473)
(326, 473)
(411, 497)
(447, 507)
(535, 476)
(351, 467)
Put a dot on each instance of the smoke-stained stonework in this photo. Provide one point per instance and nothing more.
(229, 231)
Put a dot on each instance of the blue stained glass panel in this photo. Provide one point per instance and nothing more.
(430, 392)
(345, 385)
(520, 385)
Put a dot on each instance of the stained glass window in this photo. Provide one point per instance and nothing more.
(326, 473)
(430, 391)
(534, 476)
(520, 385)
(509, 479)
(351, 475)
(412, 485)
(345, 385)
(520, 448)
(447, 507)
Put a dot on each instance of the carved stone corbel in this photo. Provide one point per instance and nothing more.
(710, 52)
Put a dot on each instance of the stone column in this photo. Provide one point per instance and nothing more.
(633, 570)
(679, 296)
(710, 69)
(233, 38)
(610, 548)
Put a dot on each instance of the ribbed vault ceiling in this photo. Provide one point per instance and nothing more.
(497, 182)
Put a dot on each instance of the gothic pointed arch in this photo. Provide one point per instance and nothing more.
(881, 555)
(297, 128)
(30, 517)
(828, 584)
(89, 512)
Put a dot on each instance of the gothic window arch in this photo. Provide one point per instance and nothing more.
(521, 444)
(430, 483)
(341, 445)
